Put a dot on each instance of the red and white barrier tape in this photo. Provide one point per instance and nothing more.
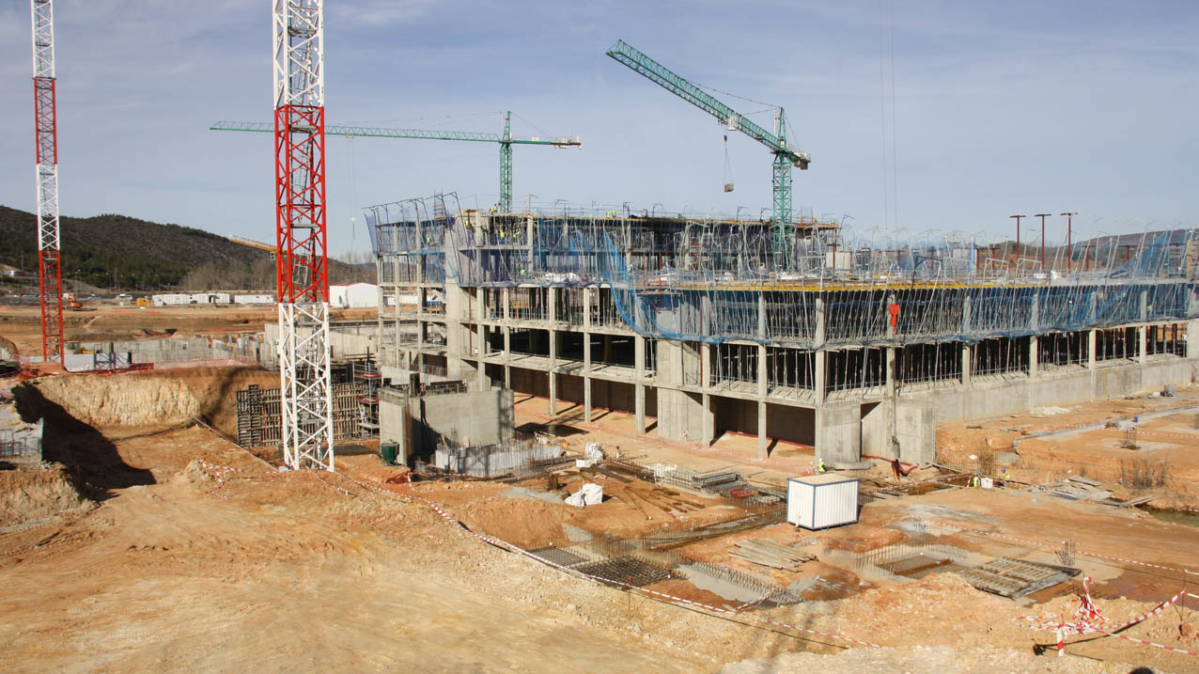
(217, 473)
(607, 581)
(1150, 643)
(750, 604)
(1090, 620)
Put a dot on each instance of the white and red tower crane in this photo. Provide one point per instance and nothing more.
(46, 149)
(302, 260)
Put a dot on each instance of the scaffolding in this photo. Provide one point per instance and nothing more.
(367, 381)
(725, 281)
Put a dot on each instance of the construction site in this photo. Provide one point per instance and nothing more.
(604, 439)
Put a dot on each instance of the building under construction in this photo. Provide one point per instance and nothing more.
(782, 331)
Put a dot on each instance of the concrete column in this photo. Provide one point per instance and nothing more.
(966, 309)
(1142, 343)
(587, 398)
(639, 356)
(640, 407)
(1092, 339)
(1034, 317)
(705, 363)
(818, 340)
(551, 298)
(1034, 368)
(708, 430)
(763, 372)
(1192, 335)
(507, 346)
(553, 373)
(506, 303)
(762, 440)
(483, 382)
(587, 291)
(890, 356)
(421, 296)
(967, 362)
(762, 315)
(818, 385)
(1144, 305)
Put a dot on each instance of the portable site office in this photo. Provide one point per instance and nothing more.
(822, 501)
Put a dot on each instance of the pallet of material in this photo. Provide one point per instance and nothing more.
(713, 479)
(765, 552)
(1014, 578)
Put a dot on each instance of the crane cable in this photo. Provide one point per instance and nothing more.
(728, 166)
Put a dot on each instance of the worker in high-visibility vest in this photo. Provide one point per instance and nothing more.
(820, 466)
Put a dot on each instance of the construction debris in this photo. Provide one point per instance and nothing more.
(766, 552)
(589, 494)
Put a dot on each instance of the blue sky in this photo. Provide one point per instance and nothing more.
(999, 108)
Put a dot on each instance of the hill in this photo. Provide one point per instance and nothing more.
(119, 252)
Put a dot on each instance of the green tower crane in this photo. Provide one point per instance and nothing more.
(784, 155)
(506, 141)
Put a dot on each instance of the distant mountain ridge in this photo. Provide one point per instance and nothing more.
(117, 251)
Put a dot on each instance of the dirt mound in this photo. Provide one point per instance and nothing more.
(525, 522)
(27, 495)
(122, 400)
(155, 399)
(195, 476)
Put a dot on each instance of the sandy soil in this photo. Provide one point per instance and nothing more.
(270, 571)
(1163, 465)
(107, 320)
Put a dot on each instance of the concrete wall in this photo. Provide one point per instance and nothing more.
(393, 423)
(993, 398)
(681, 416)
(342, 342)
(839, 432)
(475, 418)
(916, 431)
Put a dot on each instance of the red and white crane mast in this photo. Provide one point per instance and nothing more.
(46, 148)
(302, 260)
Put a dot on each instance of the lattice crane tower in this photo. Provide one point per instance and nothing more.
(306, 388)
(49, 260)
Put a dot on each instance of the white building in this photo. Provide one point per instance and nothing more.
(178, 299)
(253, 299)
(353, 295)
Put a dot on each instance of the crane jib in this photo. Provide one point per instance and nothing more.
(692, 93)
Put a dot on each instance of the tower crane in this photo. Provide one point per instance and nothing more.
(505, 140)
(785, 156)
(49, 254)
(302, 259)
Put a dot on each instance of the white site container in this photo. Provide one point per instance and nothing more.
(822, 501)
